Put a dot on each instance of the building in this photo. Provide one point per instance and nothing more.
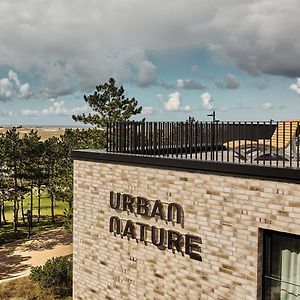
(169, 212)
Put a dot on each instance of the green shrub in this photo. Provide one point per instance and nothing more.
(55, 275)
(68, 219)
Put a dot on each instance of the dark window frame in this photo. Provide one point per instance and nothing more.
(267, 250)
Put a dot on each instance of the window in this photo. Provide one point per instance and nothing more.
(281, 273)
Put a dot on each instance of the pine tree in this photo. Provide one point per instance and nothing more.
(110, 104)
(51, 158)
(13, 150)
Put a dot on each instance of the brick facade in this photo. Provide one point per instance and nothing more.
(226, 212)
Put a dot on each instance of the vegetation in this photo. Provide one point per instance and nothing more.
(110, 104)
(33, 172)
(32, 168)
(36, 187)
(55, 275)
(44, 206)
(7, 235)
(45, 222)
(25, 289)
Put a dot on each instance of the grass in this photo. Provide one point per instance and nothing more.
(60, 206)
(25, 289)
(7, 233)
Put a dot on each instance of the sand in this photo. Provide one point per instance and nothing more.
(44, 133)
(18, 257)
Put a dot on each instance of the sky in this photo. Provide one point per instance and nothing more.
(178, 58)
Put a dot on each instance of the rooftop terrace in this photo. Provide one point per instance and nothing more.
(265, 150)
(260, 143)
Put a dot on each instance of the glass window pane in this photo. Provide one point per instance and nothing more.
(285, 258)
(272, 289)
(289, 291)
(282, 267)
(276, 290)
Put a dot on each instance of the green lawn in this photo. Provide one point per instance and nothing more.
(7, 233)
(60, 206)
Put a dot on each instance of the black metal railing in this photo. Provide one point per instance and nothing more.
(267, 143)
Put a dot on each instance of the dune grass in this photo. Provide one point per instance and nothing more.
(25, 289)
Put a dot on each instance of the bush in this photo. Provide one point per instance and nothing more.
(55, 275)
(23, 288)
(68, 220)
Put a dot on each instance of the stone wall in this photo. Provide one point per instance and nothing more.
(227, 213)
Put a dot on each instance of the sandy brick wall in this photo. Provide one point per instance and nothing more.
(226, 212)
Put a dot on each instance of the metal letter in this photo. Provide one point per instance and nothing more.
(128, 201)
(142, 206)
(158, 242)
(129, 230)
(172, 208)
(115, 225)
(111, 200)
(175, 239)
(191, 245)
(143, 228)
(158, 210)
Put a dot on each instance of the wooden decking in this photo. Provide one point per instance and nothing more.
(230, 157)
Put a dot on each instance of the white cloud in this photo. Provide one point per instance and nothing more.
(148, 110)
(29, 112)
(11, 88)
(56, 80)
(24, 91)
(6, 113)
(267, 105)
(206, 101)
(186, 108)
(296, 86)
(95, 40)
(173, 102)
(78, 110)
(189, 84)
(146, 75)
(13, 76)
(56, 108)
(224, 108)
(230, 82)
(6, 89)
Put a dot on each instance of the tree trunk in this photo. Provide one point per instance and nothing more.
(22, 208)
(3, 213)
(16, 210)
(39, 203)
(31, 199)
(52, 207)
(15, 214)
(18, 206)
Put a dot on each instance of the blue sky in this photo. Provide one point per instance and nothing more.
(178, 58)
